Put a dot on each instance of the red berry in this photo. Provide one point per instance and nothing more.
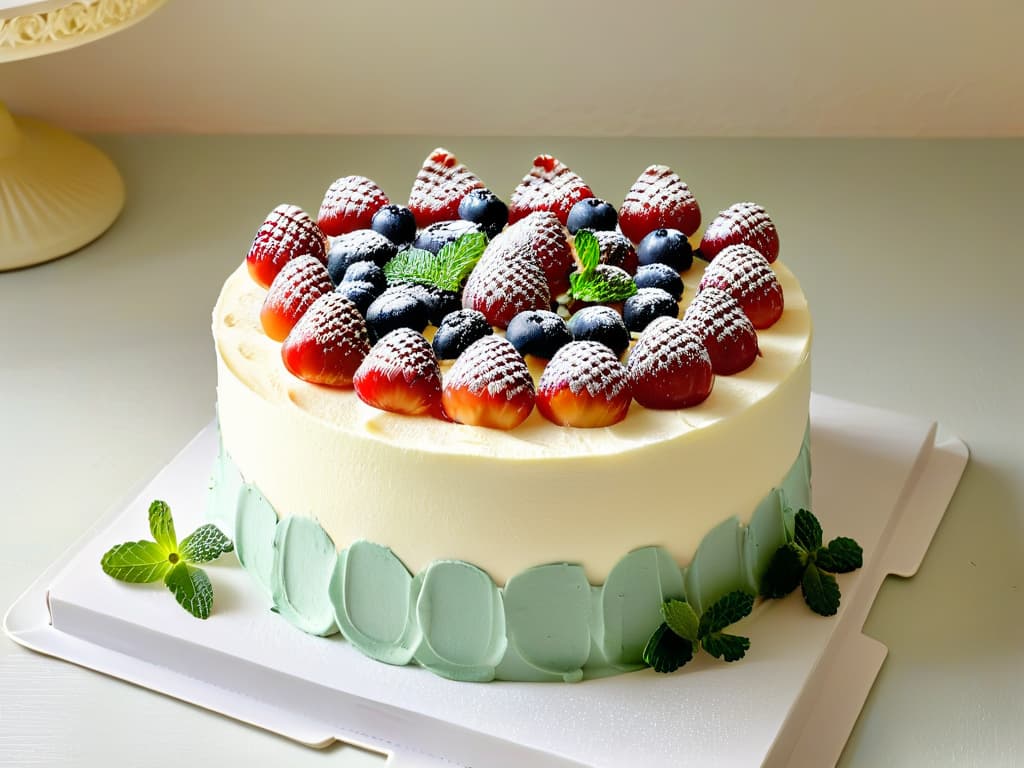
(489, 386)
(617, 251)
(349, 204)
(506, 281)
(300, 282)
(549, 186)
(728, 334)
(439, 188)
(328, 343)
(669, 366)
(287, 232)
(746, 223)
(549, 241)
(584, 385)
(401, 375)
(659, 199)
(747, 276)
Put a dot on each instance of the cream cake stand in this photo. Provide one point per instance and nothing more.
(57, 192)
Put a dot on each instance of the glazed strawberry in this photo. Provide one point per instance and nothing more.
(549, 186)
(659, 199)
(506, 281)
(741, 223)
(584, 385)
(747, 276)
(549, 242)
(300, 282)
(728, 334)
(439, 188)
(401, 375)
(328, 343)
(669, 366)
(349, 204)
(489, 386)
(287, 232)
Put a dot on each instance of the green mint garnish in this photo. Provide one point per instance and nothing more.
(673, 643)
(666, 651)
(805, 562)
(146, 561)
(446, 270)
(588, 250)
(594, 285)
(681, 618)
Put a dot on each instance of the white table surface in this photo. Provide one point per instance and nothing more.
(907, 250)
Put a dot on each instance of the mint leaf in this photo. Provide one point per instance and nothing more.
(137, 562)
(807, 530)
(724, 646)
(161, 525)
(681, 618)
(666, 651)
(725, 611)
(588, 250)
(842, 555)
(601, 286)
(204, 544)
(191, 588)
(784, 571)
(821, 592)
(413, 265)
(456, 260)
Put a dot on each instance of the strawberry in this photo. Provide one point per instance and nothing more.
(550, 245)
(746, 223)
(506, 281)
(349, 204)
(659, 199)
(439, 188)
(728, 334)
(401, 375)
(328, 342)
(489, 386)
(669, 366)
(300, 282)
(287, 232)
(747, 276)
(549, 186)
(584, 385)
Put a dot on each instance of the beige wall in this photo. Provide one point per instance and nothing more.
(602, 67)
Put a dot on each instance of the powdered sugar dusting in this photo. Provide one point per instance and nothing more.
(297, 286)
(506, 281)
(549, 186)
(659, 198)
(491, 364)
(742, 272)
(665, 347)
(404, 354)
(349, 204)
(439, 188)
(287, 232)
(333, 324)
(617, 251)
(584, 365)
(746, 223)
(549, 240)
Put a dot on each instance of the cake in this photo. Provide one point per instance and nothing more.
(522, 509)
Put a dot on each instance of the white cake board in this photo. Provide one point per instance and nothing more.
(879, 477)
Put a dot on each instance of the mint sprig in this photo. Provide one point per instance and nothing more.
(446, 270)
(804, 561)
(590, 282)
(673, 643)
(139, 562)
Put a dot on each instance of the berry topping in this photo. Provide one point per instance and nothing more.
(439, 188)
(741, 223)
(728, 334)
(547, 238)
(669, 367)
(506, 281)
(401, 375)
(367, 272)
(328, 342)
(747, 276)
(287, 232)
(592, 213)
(349, 204)
(438, 301)
(486, 209)
(396, 223)
(538, 332)
(600, 324)
(361, 245)
(438, 235)
(658, 199)
(646, 305)
(549, 186)
(457, 331)
(666, 246)
(398, 307)
(300, 282)
(584, 385)
(660, 276)
(617, 251)
(359, 292)
(489, 386)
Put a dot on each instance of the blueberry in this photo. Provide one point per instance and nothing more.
(660, 276)
(439, 302)
(601, 324)
(361, 245)
(666, 246)
(647, 304)
(457, 331)
(360, 292)
(397, 307)
(368, 272)
(592, 213)
(437, 236)
(486, 209)
(538, 332)
(396, 223)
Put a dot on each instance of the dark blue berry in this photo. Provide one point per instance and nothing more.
(361, 245)
(660, 276)
(538, 332)
(437, 236)
(397, 307)
(666, 246)
(457, 331)
(366, 271)
(396, 223)
(360, 292)
(439, 301)
(486, 209)
(602, 324)
(647, 304)
(592, 213)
